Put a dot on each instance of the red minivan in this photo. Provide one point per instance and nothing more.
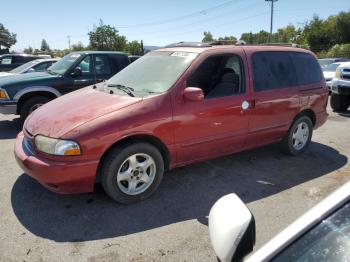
(170, 108)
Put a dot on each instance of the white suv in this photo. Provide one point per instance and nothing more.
(340, 87)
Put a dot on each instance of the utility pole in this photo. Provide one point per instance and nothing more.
(272, 1)
(68, 41)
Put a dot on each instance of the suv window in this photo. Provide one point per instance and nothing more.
(102, 66)
(272, 70)
(7, 60)
(120, 61)
(307, 68)
(85, 65)
(218, 76)
(328, 241)
(19, 60)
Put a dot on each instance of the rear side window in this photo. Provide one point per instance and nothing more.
(102, 66)
(272, 70)
(7, 60)
(307, 68)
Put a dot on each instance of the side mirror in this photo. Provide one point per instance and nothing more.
(76, 71)
(231, 228)
(193, 94)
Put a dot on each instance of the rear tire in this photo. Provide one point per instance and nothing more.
(298, 137)
(32, 104)
(339, 102)
(132, 173)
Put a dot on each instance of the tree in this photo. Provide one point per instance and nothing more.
(105, 37)
(44, 46)
(134, 48)
(78, 46)
(208, 37)
(28, 50)
(231, 40)
(7, 39)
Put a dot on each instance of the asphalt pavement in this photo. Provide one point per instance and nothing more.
(37, 225)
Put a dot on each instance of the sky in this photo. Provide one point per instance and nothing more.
(156, 22)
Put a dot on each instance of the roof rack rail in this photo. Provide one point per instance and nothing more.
(281, 44)
(188, 44)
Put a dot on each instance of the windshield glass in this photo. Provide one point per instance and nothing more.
(24, 67)
(155, 72)
(62, 65)
(331, 67)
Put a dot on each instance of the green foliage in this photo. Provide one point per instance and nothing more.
(7, 39)
(78, 47)
(134, 48)
(231, 40)
(321, 35)
(44, 46)
(28, 50)
(105, 37)
(336, 51)
(208, 37)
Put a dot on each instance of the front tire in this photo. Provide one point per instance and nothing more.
(31, 105)
(298, 137)
(132, 173)
(339, 102)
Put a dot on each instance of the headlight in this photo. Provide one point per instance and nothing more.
(338, 73)
(58, 147)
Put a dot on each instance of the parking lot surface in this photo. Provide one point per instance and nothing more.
(37, 225)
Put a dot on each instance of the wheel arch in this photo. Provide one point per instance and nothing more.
(306, 112)
(29, 92)
(160, 145)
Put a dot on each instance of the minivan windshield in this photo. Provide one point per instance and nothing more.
(155, 72)
(64, 64)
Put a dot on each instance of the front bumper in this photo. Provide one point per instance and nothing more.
(57, 176)
(8, 107)
(340, 86)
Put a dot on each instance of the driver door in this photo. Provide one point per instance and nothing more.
(87, 77)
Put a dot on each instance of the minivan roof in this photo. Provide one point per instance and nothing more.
(199, 50)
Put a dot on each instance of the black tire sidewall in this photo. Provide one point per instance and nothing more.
(30, 102)
(116, 158)
(339, 102)
(289, 141)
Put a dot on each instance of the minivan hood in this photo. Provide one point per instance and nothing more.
(65, 113)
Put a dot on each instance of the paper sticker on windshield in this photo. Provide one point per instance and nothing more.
(183, 54)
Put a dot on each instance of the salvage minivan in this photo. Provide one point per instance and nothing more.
(170, 108)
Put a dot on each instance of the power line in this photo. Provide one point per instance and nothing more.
(180, 27)
(197, 13)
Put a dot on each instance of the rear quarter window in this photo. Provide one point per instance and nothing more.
(307, 68)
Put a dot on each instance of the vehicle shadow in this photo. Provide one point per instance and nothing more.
(185, 193)
(344, 114)
(9, 128)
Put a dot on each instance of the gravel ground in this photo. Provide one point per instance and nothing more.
(37, 225)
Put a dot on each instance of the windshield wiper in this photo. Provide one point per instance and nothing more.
(126, 89)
